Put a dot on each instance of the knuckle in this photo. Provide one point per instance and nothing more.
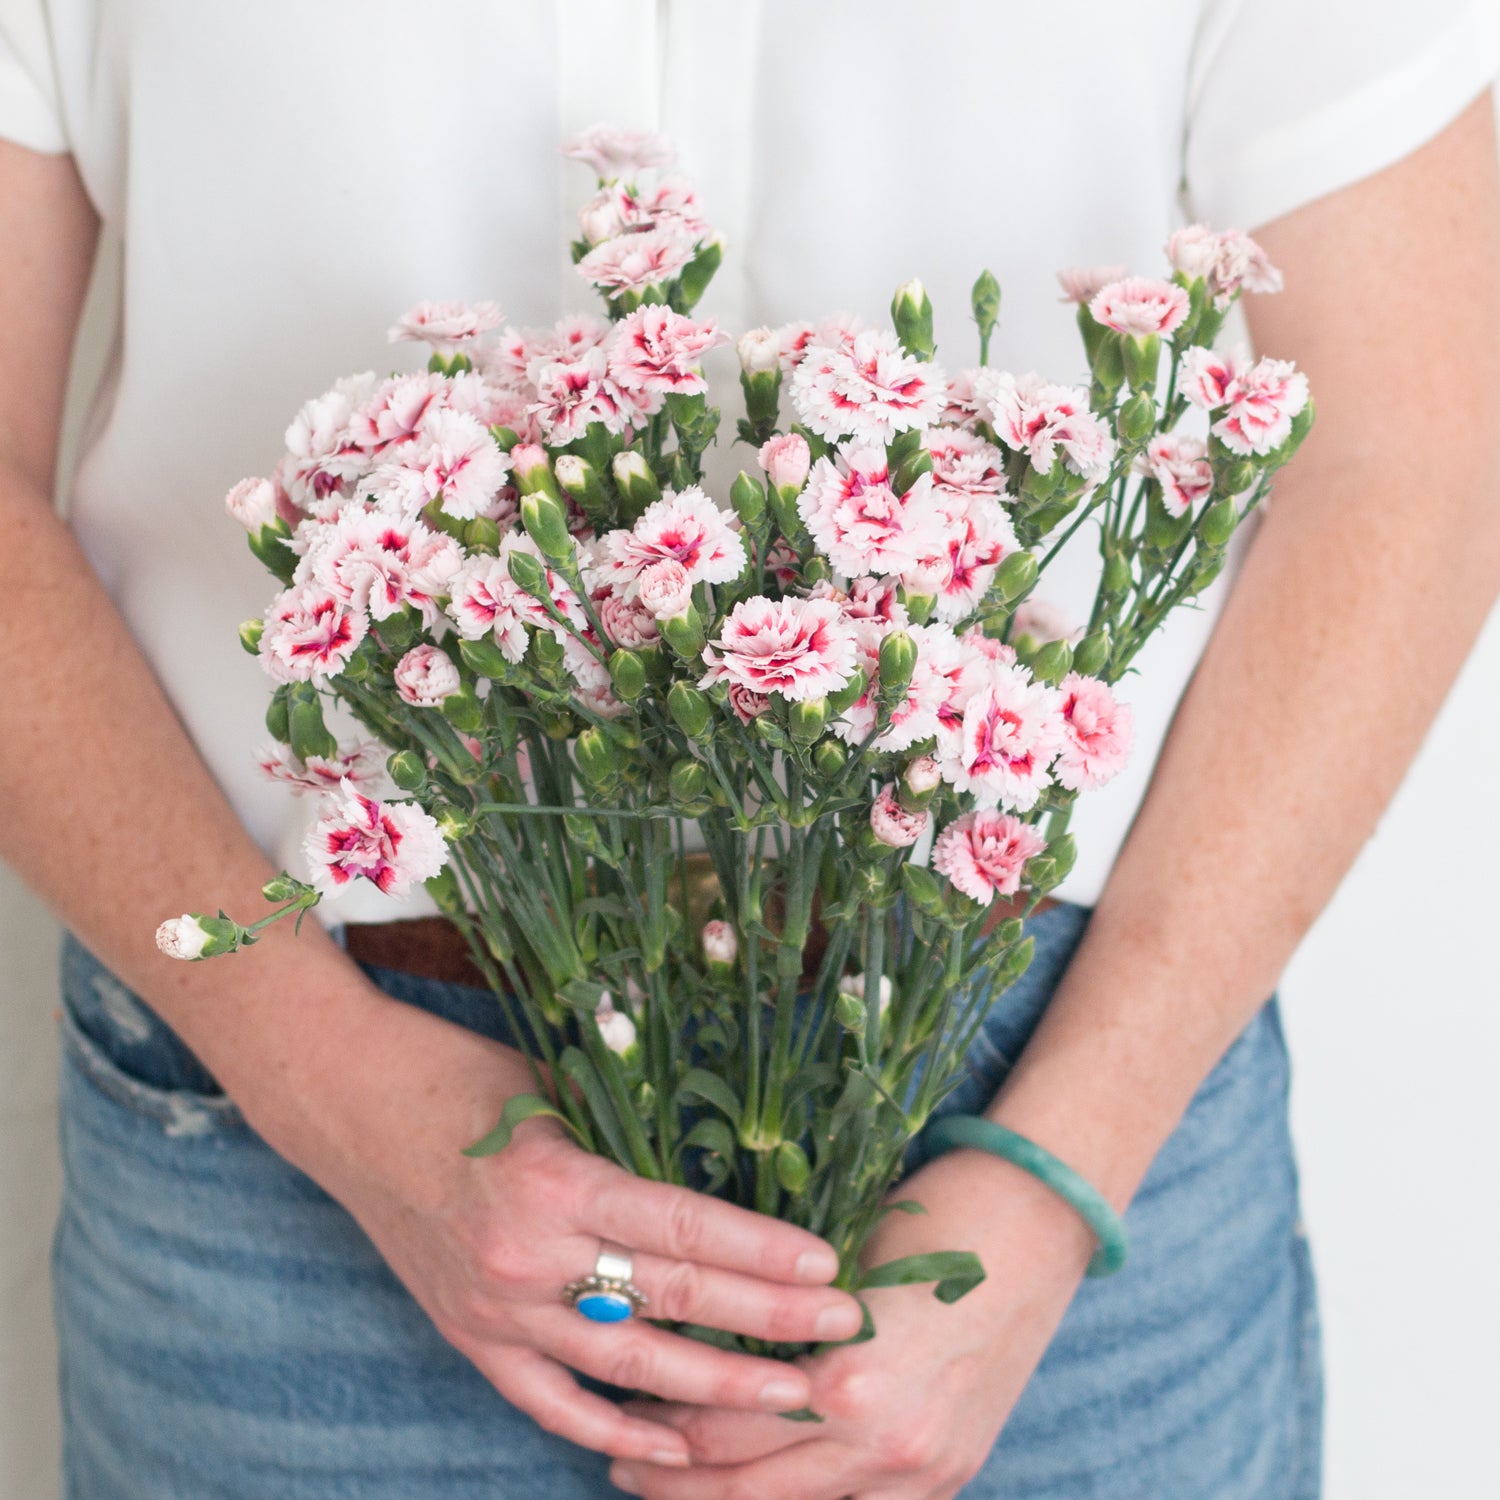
(682, 1290)
(788, 1316)
(845, 1394)
(631, 1368)
(738, 1488)
(907, 1448)
(684, 1226)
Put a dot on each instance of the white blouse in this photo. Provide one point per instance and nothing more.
(286, 177)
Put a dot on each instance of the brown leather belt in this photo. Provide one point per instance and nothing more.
(433, 948)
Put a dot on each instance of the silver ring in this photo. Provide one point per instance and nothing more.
(608, 1295)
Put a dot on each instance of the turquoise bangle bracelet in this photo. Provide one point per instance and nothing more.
(953, 1131)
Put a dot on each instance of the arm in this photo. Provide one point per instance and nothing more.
(1390, 515)
(109, 812)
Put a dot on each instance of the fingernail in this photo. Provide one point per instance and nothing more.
(782, 1395)
(672, 1458)
(817, 1265)
(836, 1323)
(623, 1479)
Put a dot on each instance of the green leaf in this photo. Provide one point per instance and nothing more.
(517, 1108)
(802, 1414)
(716, 1138)
(865, 1334)
(905, 1206)
(575, 1065)
(699, 1083)
(956, 1272)
(582, 994)
(858, 1094)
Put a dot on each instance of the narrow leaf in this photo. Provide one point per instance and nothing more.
(699, 1083)
(955, 1271)
(517, 1108)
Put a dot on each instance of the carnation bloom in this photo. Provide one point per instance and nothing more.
(425, 676)
(182, 937)
(633, 262)
(747, 704)
(686, 527)
(868, 391)
(1229, 261)
(785, 460)
(626, 619)
(1038, 419)
(451, 459)
(1179, 464)
(310, 634)
(252, 502)
(657, 352)
(446, 325)
(1262, 403)
(323, 462)
(1207, 375)
(664, 589)
(984, 853)
(915, 717)
(485, 600)
(961, 408)
(365, 558)
(1007, 737)
(395, 411)
(965, 462)
(720, 943)
(572, 394)
(362, 765)
(800, 648)
(892, 824)
(394, 845)
(1141, 307)
(615, 152)
(1083, 283)
(1096, 733)
(513, 358)
(975, 538)
(859, 522)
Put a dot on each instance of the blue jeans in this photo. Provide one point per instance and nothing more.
(228, 1333)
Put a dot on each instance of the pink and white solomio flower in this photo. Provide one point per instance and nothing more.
(785, 459)
(984, 853)
(633, 262)
(393, 845)
(572, 394)
(747, 704)
(1007, 738)
(891, 824)
(363, 558)
(425, 676)
(964, 462)
(1046, 421)
(664, 589)
(323, 462)
(976, 537)
(658, 352)
(1141, 307)
(961, 407)
(627, 619)
(486, 601)
(613, 151)
(394, 413)
(1179, 464)
(1262, 403)
(1084, 283)
(452, 460)
(310, 634)
(361, 765)
(801, 649)
(446, 325)
(1229, 261)
(859, 522)
(1097, 732)
(512, 359)
(252, 502)
(1206, 376)
(916, 717)
(686, 527)
(869, 391)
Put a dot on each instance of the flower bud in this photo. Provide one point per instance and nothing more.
(985, 302)
(192, 937)
(635, 481)
(699, 271)
(849, 1010)
(721, 947)
(528, 574)
(487, 659)
(748, 496)
(792, 1168)
(858, 986)
(1236, 477)
(407, 769)
(482, 535)
(1064, 852)
(545, 651)
(546, 524)
(309, 735)
(276, 717)
(1117, 577)
(786, 460)
(615, 1028)
(282, 887)
(1142, 356)
(830, 758)
(807, 720)
(1137, 418)
(684, 633)
(1102, 346)
(1016, 575)
(594, 757)
(1218, 522)
(505, 438)
(843, 699)
(691, 709)
(250, 634)
(463, 710)
(581, 483)
(1052, 662)
(759, 351)
(919, 783)
(1091, 654)
(688, 780)
(531, 471)
(892, 824)
(898, 660)
(1206, 571)
(627, 675)
(911, 312)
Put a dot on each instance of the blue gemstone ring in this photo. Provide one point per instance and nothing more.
(608, 1295)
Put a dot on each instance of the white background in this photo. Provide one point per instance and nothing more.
(1393, 1010)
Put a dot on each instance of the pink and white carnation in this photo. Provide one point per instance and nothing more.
(446, 325)
(664, 589)
(616, 152)
(785, 460)
(984, 853)
(683, 526)
(1207, 376)
(1141, 307)
(252, 502)
(323, 461)
(572, 394)
(869, 391)
(976, 538)
(794, 340)
(916, 717)
(658, 352)
(758, 351)
(892, 824)
(489, 403)
(1041, 420)
(1097, 732)
(872, 598)
(361, 765)
(801, 649)
(962, 407)
(859, 522)
(965, 462)
(746, 704)
(310, 634)
(627, 620)
(512, 358)
(591, 680)
(395, 411)
(486, 601)
(370, 561)
(1083, 283)
(393, 845)
(1006, 740)
(633, 262)
(425, 676)
(451, 459)
(1179, 464)
(1262, 403)
(1230, 261)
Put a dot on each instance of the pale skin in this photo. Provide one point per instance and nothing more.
(1388, 517)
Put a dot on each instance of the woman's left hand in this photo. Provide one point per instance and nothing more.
(912, 1413)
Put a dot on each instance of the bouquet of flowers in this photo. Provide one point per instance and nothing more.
(724, 796)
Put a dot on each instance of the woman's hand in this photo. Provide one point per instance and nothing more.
(378, 1114)
(913, 1413)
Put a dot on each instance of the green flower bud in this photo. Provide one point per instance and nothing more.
(487, 659)
(748, 496)
(1137, 418)
(1142, 356)
(482, 535)
(1016, 575)
(766, 728)
(276, 717)
(1052, 662)
(919, 607)
(1235, 477)
(398, 631)
(464, 711)
(250, 634)
(453, 824)
(528, 574)
(282, 887)
(806, 721)
(635, 481)
(1206, 571)
(985, 302)
(1217, 523)
(1064, 852)
(1164, 530)
(1102, 346)
(898, 660)
(830, 758)
(1301, 425)
(627, 675)
(843, 699)
(581, 483)
(1117, 576)
(912, 468)
(444, 890)
(557, 724)
(691, 708)
(911, 312)
(849, 1011)
(439, 520)
(688, 780)
(408, 770)
(792, 1169)
(532, 473)
(924, 890)
(594, 757)
(684, 633)
(1091, 654)
(545, 650)
(309, 735)
(546, 524)
(505, 438)
(699, 271)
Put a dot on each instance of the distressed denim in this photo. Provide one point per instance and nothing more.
(228, 1332)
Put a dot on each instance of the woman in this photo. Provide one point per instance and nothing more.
(308, 1291)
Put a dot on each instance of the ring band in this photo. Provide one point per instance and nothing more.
(608, 1295)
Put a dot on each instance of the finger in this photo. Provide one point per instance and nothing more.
(814, 1470)
(679, 1224)
(558, 1404)
(638, 1357)
(726, 1437)
(688, 1292)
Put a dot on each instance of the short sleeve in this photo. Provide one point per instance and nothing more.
(30, 112)
(1289, 100)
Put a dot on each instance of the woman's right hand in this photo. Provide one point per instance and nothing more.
(378, 1115)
